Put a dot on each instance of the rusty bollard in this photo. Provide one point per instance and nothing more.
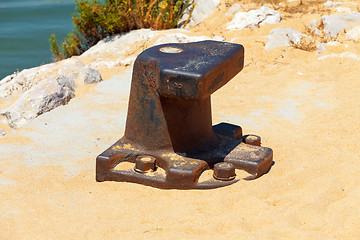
(169, 136)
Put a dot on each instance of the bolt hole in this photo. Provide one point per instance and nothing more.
(170, 50)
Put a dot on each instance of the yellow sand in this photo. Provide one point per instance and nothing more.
(306, 110)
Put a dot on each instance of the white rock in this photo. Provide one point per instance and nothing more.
(43, 97)
(2, 133)
(331, 4)
(279, 37)
(254, 18)
(201, 11)
(88, 75)
(350, 55)
(339, 22)
(69, 66)
(183, 38)
(126, 61)
(313, 26)
(343, 9)
(109, 63)
(321, 47)
(354, 34)
(233, 9)
(333, 25)
(118, 43)
(19, 82)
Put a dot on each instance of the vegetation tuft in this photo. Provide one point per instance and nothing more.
(305, 44)
(293, 7)
(97, 19)
(314, 36)
(304, 7)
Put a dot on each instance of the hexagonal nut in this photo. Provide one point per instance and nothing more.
(252, 140)
(224, 171)
(144, 164)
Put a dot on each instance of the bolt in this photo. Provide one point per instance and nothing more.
(144, 164)
(224, 171)
(252, 140)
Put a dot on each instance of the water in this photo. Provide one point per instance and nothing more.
(25, 28)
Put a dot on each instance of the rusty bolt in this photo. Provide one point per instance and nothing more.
(252, 140)
(144, 164)
(224, 171)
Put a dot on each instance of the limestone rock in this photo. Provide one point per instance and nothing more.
(118, 43)
(201, 11)
(110, 63)
(183, 38)
(313, 26)
(333, 25)
(43, 97)
(283, 37)
(233, 9)
(354, 34)
(21, 81)
(2, 133)
(337, 23)
(349, 55)
(343, 9)
(321, 47)
(69, 66)
(88, 75)
(254, 18)
(331, 4)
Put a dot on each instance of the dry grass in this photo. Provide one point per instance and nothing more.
(272, 2)
(298, 6)
(306, 44)
(313, 39)
(260, 2)
(303, 6)
(320, 36)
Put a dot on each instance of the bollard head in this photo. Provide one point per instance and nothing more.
(194, 70)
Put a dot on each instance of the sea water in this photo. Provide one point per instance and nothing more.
(25, 29)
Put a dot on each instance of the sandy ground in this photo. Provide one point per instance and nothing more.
(306, 110)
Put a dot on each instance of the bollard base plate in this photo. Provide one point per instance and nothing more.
(183, 170)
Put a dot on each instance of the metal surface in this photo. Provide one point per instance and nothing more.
(224, 171)
(169, 135)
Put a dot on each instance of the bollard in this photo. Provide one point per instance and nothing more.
(169, 124)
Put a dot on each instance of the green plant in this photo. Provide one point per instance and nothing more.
(97, 19)
(55, 49)
(72, 44)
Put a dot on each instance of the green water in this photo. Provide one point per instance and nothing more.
(25, 27)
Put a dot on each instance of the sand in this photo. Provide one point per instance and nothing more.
(306, 110)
